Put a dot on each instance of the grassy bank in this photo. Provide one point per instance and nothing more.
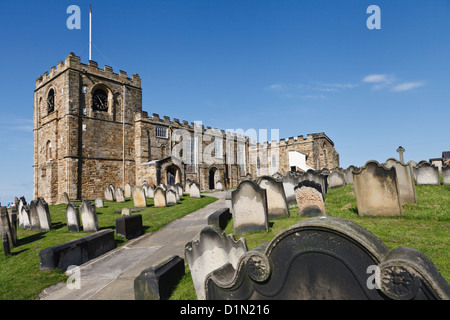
(20, 276)
(424, 226)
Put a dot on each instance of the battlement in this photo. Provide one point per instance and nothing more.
(74, 62)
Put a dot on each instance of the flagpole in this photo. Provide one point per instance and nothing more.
(90, 32)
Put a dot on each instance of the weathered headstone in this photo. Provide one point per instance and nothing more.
(427, 174)
(109, 194)
(319, 177)
(194, 190)
(171, 197)
(149, 192)
(120, 197)
(249, 203)
(376, 191)
(45, 220)
(26, 218)
(310, 199)
(126, 212)
(99, 203)
(209, 250)
(348, 173)
(22, 203)
(34, 216)
(186, 187)
(139, 199)
(89, 216)
(289, 182)
(160, 199)
(405, 181)
(179, 189)
(129, 226)
(73, 217)
(127, 191)
(219, 185)
(276, 198)
(327, 258)
(6, 226)
(446, 174)
(175, 190)
(336, 179)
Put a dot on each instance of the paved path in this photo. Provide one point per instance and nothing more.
(111, 276)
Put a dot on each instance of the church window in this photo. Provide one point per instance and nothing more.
(161, 132)
(51, 101)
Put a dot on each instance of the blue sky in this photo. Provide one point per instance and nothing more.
(297, 66)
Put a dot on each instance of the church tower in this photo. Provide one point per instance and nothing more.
(83, 130)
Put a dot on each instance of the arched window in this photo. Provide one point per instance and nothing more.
(51, 101)
(149, 146)
(100, 100)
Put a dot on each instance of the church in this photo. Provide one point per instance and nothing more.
(89, 131)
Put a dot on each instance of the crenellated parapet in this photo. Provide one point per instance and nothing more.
(74, 62)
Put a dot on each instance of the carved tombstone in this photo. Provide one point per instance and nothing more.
(109, 194)
(249, 203)
(89, 216)
(160, 199)
(326, 258)
(45, 220)
(446, 174)
(194, 190)
(171, 197)
(25, 218)
(6, 226)
(174, 189)
(210, 250)
(318, 177)
(427, 174)
(376, 191)
(179, 189)
(310, 199)
(119, 195)
(276, 198)
(336, 179)
(127, 190)
(219, 185)
(149, 192)
(405, 181)
(73, 217)
(139, 199)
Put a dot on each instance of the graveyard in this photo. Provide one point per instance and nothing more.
(20, 273)
(424, 226)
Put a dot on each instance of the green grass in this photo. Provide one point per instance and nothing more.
(424, 226)
(20, 276)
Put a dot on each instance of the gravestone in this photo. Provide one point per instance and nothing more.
(317, 176)
(129, 226)
(174, 189)
(179, 189)
(336, 179)
(327, 258)
(249, 202)
(309, 198)
(210, 250)
(289, 182)
(127, 191)
(219, 186)
(376, 191)
(73, 217)
(22, 203)
(186, 187)
(276, 198)
(149, 192)
(171, 197)
(160, 199)
(25, 218)
(34, 216)
(99, 203)
(139, 199)
(120, 197)
(348, 173)
(194, 190)
(6, 226)
(45, 220)
(126, 212)
(446, 174)
(109, 194)
(427, 174)
(88, 216)
(405, 181)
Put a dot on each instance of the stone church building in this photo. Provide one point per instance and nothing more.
(89, 130)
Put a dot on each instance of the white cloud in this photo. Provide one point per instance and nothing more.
(406, 86)
(376, 78)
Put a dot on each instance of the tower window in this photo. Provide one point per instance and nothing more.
(51, 101)
(100, 100)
